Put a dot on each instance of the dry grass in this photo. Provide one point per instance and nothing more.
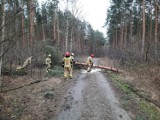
(145, 78)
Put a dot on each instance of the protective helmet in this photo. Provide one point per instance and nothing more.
(49, 55)
(72, 54)
(67, 54)
(92, 55)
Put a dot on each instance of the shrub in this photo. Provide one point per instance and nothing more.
(56, 71)
(56, 55)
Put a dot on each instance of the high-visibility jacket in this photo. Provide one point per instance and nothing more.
(67, 61)
(72, 58)
(89, 60)
(48, 61)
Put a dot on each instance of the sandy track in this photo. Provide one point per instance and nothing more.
(90, 98)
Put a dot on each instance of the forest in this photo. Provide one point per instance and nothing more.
(30, 29)
(113, 76)
(133, 30)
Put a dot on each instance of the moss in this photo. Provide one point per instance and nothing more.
(123, 86)
(150, 110)
(16, 111)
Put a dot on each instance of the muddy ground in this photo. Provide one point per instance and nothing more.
(88, 96)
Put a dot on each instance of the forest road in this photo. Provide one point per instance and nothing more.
(90, 98)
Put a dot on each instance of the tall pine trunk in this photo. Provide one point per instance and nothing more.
(22, 23)
(43, 32)
(156, 31)
(67, 26)
(130, 32)
(143, 31)
(2, 39)
(31, 20)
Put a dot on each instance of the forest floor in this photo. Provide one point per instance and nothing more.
(99, 95)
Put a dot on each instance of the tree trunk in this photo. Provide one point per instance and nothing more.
(156, 31)
(54, 25)
(143, 31)
(71, 43)
(22, 23)
(31, 16)
(116, 40)
(125, 35)
(130, 32)
(150, 32)
(23, 33)
(2, 38)
(43, 32)
(66, 32)
(58, 35)
(122, 33)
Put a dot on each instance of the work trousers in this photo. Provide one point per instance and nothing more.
(89, 67)
(48, 67)
(67, 72)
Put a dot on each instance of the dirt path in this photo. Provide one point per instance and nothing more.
(90, 98)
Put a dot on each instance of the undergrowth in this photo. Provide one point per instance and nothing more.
(146, 110)
(56, 71)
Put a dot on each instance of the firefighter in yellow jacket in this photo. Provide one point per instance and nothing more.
(48, 62)
(73, 60)
(67, 61)
(90, 62)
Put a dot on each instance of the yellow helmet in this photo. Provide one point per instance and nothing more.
(72, 54)
(49, 55)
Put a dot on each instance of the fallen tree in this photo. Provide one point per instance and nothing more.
(101, 67)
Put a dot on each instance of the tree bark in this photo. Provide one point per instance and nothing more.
(43, 32)
(130, 32)
(71, 43)
(156, 31)
(143, 31)
(150, 32)
(2, 39)
(58, 35)
(23, 33)
(66, 32)
(54, 24)
(31, 18)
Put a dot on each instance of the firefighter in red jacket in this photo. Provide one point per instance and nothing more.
(67, 61)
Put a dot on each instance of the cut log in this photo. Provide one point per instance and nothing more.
(109, 68)
(101, 67)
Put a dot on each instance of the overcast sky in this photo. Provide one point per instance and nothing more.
(94, 11)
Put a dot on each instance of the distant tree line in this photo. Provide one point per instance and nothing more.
(133, 29)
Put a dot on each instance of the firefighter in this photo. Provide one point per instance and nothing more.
(48, 62)
(90, 62)
(67, 61)
(73, 61)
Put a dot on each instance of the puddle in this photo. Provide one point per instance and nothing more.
(94, 70)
